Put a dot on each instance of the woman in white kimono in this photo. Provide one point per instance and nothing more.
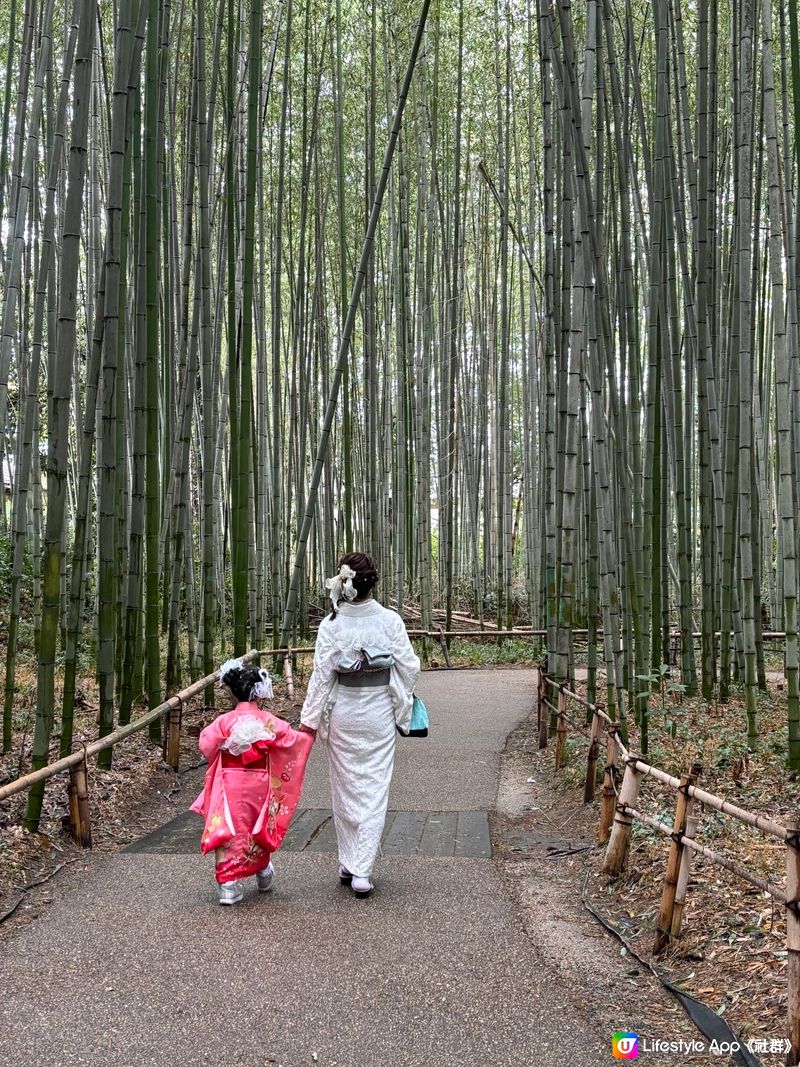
(361, 690)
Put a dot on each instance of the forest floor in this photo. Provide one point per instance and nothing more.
(732, 952)
(731, 956)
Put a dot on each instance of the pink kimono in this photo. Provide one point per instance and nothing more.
(249, 798)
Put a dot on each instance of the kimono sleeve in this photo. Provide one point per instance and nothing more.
(323, 677)
(211, 738)
(404, 674)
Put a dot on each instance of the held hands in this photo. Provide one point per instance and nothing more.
(307, 730)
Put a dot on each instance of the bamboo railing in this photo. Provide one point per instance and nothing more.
(622, 778)
(171, 711)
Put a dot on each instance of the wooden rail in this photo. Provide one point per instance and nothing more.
(76, 763)
(618, 810)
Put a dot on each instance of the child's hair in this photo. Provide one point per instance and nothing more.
(246, 683)
(366, 573)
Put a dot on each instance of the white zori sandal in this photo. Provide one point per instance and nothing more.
(362, 887)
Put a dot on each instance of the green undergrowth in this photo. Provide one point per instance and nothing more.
(482, 652)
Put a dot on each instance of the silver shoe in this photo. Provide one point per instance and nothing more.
(230, 892)
(265, 878)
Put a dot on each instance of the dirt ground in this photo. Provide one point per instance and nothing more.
(545, 846)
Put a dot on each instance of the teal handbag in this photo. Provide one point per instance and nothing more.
(418, 727)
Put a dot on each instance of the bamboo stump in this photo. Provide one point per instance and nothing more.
(793, 937)
(674, 860)
(561, 729)
(609, 798)
(80, 821)
(620, 839)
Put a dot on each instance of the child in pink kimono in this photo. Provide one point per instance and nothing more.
(256, 764)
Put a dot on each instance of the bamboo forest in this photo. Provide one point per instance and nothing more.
(505, 294)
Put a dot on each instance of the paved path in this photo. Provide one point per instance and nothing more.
(140, 966)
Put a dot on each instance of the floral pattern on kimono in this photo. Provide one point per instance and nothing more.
(248, 801)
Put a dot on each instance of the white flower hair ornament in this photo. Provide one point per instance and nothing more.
(341, 585)
(228, 667)
(262, 690)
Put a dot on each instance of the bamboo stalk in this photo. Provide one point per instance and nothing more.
(347, 333)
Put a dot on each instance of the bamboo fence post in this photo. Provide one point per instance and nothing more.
(591, 761)
(793, 936)
(609, 797)
(443, 643)
(172, 741)
(676, 851)
(561, 728)
(686, 859)
(620, 839)
(288, 675)
(80, 820)
(543, 716)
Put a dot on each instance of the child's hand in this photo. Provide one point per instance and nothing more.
(307, 730)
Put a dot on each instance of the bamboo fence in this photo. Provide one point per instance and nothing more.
(622, 778)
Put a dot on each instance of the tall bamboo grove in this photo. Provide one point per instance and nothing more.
(571, 398)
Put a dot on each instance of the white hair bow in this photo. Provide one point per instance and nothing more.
(341, 585)
(262, 690)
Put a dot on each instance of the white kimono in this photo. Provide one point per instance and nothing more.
(358, 724)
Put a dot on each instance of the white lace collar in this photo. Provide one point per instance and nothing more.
(366, 607)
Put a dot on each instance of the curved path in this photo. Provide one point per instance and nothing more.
(140, 966)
